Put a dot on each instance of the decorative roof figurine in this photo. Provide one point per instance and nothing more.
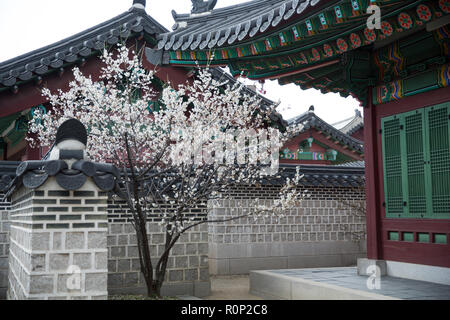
(140, 4)
(200, 6)
(71, 135)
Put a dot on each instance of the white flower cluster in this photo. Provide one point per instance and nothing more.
(164, 152)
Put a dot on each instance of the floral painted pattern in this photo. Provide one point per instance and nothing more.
(356, 40)
(342, 45)
(444, 5)
(424, 13)
(405, 20)
(370, 35)
(386, 28)
(328, 50)
(315, 55)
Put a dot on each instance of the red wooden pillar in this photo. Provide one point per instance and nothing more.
(373, 218)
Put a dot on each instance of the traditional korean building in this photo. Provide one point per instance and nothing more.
(398, 70)
(23, 77)
(21, 81)
(319, 143)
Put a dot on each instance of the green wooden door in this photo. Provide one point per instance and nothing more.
(416, 162)
(438, 122)
(392, 166)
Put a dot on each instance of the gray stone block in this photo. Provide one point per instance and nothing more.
(40, 241)
(181, 262)
(59, 262)
(133, 251)
(178, 249)
(191, 274)
(122, 239)
(131, 279)
(175, 275)
(96, 282)
(117, 252)
(75, 240)
(37, 262)
(101, 260)
(124, 265)
(96, 240)
(83, 260)
(115, 280)
(191, 248)
(41, 284)
(57, 241)
(204, 274)
(112, 266)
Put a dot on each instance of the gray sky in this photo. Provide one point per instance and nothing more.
(26, 25)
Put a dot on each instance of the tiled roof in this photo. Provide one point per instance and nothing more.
(33, 174)
(225, 26)
(77, 47)
(310, 120)
(314, 175)
(326, 176)
(354, 125)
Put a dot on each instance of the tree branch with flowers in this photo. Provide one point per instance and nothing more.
(198, 143)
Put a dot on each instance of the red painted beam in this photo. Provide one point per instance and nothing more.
(30, 95)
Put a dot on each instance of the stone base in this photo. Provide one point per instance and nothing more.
(364, 264)
(272, 286)
(418, 272)
(197, 289)
(235, 259)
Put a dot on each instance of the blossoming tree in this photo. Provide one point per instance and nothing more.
(187, 152)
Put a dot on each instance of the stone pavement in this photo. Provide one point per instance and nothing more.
(390, 286)
(230, 288)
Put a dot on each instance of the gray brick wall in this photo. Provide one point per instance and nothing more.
(4, 247)
(324, 231)
(188, 268)
(54, 230)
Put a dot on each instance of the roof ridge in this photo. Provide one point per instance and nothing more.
(83, 43)
(225, 11)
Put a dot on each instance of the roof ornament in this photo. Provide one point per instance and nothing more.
(311, 109)
(200, 6)
(140, 4)
(358, 113)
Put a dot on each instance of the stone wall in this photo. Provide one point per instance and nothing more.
(4, 247)
(58, 243)
(321, 232)
(187, 270)
(324, 231)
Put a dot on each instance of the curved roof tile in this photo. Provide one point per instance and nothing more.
(69, 50)
(247, 20)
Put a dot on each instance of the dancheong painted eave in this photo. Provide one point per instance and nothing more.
(314, 44)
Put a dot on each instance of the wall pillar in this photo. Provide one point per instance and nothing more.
(58, 246)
